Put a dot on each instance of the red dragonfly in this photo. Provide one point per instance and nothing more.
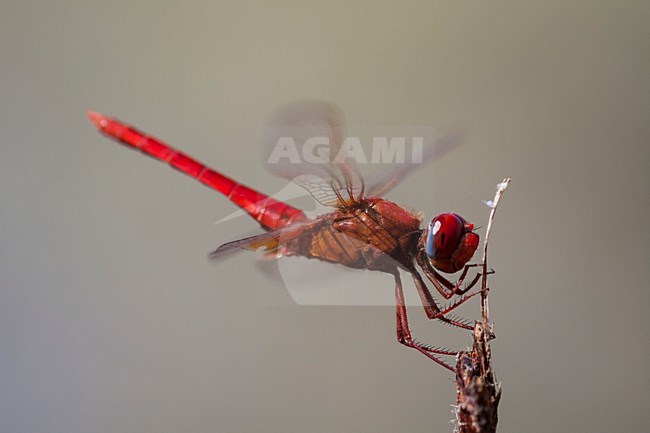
(363, 231)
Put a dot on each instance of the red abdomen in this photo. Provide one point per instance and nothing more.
(270, 213)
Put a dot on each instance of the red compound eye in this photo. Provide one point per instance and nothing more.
(450, 242)
(445, 233)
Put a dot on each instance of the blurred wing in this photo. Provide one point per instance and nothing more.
(387, 180)
(305, 144)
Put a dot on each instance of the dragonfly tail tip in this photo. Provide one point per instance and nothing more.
(95, 118)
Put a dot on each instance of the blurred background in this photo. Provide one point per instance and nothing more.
(111, 316)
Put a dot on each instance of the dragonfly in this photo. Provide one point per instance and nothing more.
(362, 230)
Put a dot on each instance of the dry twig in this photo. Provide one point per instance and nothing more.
(477, 392)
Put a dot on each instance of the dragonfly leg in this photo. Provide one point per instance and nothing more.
(432, 309)
(443, 285)
(404, 333)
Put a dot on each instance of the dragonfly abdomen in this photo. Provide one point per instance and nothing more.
(270, 213)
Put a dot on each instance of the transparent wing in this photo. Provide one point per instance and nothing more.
(387, 180)
(270, 241)
(305, 144)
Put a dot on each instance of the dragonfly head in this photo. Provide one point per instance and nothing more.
(449, 242)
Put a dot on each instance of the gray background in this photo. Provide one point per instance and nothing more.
(112, 319)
